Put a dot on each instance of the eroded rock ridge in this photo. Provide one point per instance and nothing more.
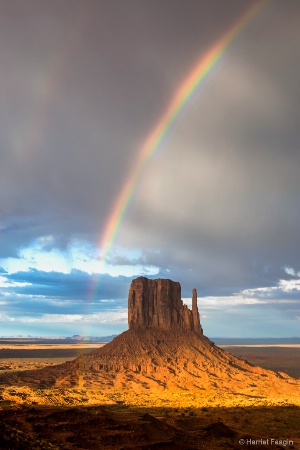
(154, 304)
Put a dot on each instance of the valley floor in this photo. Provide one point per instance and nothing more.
(84, 419)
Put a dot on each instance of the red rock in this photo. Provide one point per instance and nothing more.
(164, 349)
(157, 303)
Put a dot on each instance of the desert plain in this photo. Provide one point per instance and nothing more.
(75, 419)
(23, 354)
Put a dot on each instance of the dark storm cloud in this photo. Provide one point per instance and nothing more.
(222, 197)
(77, 285)
(37, 307)
(82, 86)
(52, 303)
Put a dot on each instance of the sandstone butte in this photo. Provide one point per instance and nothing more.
(163, 358)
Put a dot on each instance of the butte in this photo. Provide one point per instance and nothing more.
(164, 357)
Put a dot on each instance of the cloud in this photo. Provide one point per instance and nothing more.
(60, 304)
(290, 271)
(217, 206)
(76, 285)
(42, 299)
(114, 317)
(44, 255)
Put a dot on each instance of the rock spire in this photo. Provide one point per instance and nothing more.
(157, 303)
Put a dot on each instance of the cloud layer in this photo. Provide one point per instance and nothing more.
(217, 207)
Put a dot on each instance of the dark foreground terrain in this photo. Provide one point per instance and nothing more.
(120, 427)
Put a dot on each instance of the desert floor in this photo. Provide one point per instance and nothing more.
(22, 356)
(15, 356)
(120, 426)
(279, 358)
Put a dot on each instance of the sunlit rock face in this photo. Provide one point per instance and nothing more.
(157, 303)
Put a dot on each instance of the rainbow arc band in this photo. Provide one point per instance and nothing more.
(187, 88)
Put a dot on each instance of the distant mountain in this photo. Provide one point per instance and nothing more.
(78, 338)
(57, 340)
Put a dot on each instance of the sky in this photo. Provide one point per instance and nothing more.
(214, 205)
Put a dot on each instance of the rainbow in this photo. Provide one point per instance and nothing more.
(187, 88)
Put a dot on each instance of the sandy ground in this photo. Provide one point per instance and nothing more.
(279, 358)
(24, 356)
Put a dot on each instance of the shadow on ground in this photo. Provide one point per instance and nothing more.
(121, 427)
